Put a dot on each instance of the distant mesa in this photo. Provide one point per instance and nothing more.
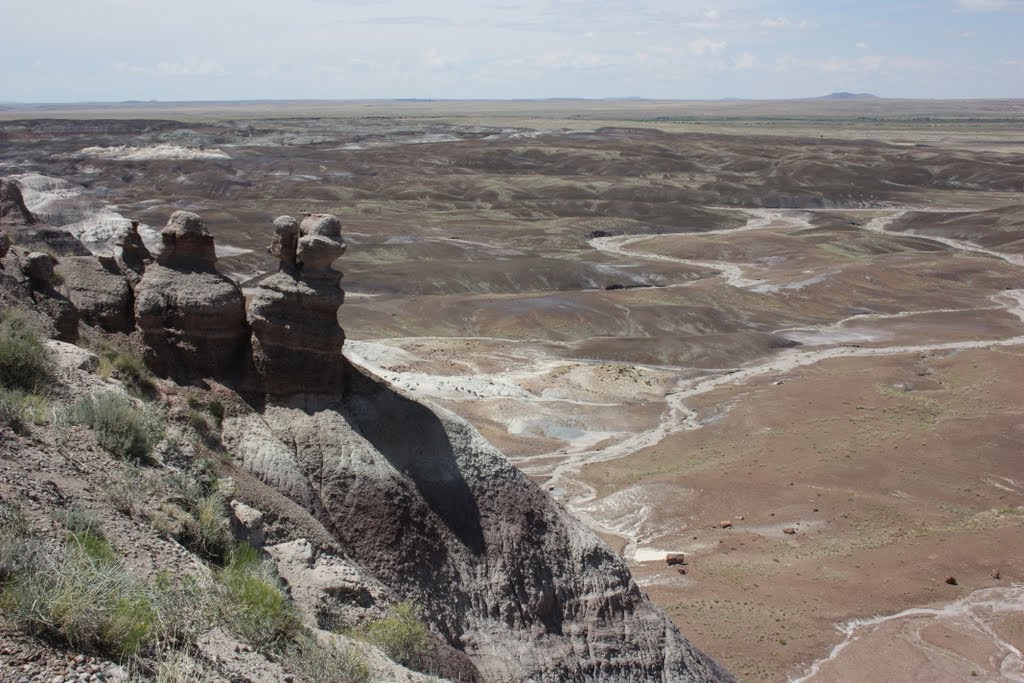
(849, 96)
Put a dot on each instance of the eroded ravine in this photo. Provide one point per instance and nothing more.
(560, 470)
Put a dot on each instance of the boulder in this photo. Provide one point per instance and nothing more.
(70, 356)
(192, 318)
(38, 266)
(296, 338)
(286, 240)
(675, 558)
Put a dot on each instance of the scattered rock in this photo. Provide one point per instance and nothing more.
(726, 524)
(675, 558)
(789, 530)
(951, 580)
(247, 524)
(996, 575)
(70, 356)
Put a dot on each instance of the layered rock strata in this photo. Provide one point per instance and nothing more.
(192, 318)
(296, 339)
(100, 292)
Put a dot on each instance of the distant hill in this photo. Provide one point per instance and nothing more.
(848, 96)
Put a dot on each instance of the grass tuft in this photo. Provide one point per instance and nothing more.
(254, 604)
(317, 662)
(19, 409)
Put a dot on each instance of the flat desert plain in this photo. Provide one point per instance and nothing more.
(782, 339)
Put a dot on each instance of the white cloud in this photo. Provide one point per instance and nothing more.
(705, 45)
(186, 68)
(862, 45)
(866, 64)
(990, 5)
(570, 59)
(745, 62)
(434, 60)
(784, 23)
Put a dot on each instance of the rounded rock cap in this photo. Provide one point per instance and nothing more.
(182, 223)
(186, 243)
(321, 224)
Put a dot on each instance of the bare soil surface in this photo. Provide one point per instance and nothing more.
(804, 321)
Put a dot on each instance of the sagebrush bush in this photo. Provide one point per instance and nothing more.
(197, 513)
(254, 605)
(19, 552)
(24, 361)
(121, 426)
(401, 635)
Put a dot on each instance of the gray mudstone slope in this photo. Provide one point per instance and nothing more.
(422, 502)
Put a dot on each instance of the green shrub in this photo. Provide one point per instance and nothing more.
(317, 662)
(400, 635)
(216, 409)
(254, 605)
(24, 361)
(129, 489)
(77, 520)
(121, 426)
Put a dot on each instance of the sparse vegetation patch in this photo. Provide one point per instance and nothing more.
(122, 426)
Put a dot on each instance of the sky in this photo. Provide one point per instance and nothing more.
(116, 50)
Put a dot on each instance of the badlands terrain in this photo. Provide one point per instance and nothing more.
(784, 339)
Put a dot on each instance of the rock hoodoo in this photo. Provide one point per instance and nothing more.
(13, 211)
(191, 317)
(38, 268)
(296, 339)
(130, 254)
